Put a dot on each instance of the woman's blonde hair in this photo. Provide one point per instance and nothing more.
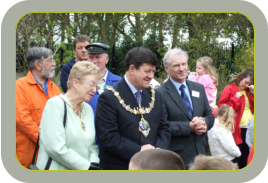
(81, 69)
(225, 115)
(207, 63)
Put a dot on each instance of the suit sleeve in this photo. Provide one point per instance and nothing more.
(64, 78)
(164, 135)
(94, 152)
(52, 135)
(24, 120)
(207, 113)
(176, 128)
(106, 123)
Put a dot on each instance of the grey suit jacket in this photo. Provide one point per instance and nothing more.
(184, 142)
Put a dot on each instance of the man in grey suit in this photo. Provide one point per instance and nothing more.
(186, 108)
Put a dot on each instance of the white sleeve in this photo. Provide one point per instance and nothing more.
(227, 142)
(52, 135)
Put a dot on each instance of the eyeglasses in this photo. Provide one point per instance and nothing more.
(52, 60)
(93, 86)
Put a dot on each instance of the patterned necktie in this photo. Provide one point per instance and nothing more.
(138, 97)
(186, 100)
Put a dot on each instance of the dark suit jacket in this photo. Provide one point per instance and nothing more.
(184, 142)
(118, 130)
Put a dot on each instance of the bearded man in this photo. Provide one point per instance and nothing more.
(32, 93)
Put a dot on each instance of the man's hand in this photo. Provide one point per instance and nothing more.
(192, 124)
(198, 125)
(147, 146)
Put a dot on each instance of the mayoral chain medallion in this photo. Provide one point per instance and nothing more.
(144, 126)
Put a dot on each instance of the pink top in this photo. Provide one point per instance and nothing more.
(207, 82)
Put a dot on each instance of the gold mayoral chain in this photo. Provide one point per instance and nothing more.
(79, 114)
(144, 126)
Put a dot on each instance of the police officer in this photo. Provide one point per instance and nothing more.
(98, 54)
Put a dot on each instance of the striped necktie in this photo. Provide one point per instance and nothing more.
(186, 100)
(138, 97)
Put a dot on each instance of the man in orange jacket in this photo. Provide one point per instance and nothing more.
(32, 93)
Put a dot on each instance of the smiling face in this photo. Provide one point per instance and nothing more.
(142, 76)
(87, 87)
(99, 59)
(244, 83)
(200, 69)
(177, 68)
(80, 51)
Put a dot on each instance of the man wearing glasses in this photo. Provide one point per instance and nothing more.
(32, 93)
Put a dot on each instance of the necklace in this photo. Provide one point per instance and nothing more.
(144, 126)
(79, 114)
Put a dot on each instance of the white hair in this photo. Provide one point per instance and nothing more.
(174, 51)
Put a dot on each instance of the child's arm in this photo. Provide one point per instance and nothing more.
(205, 80)
(193, 77)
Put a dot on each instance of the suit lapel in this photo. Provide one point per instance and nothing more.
(128, 96)
(174, 94)
(194, 99)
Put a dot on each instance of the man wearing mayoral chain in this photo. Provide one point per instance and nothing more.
(129, 116)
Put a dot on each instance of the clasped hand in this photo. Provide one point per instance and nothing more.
(147, 146)
(198, 125)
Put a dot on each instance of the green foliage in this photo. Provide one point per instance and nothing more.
(244, 57)
(197, 33)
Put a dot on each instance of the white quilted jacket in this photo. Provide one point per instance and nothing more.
(221, 142)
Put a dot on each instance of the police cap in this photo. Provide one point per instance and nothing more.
(97, 48)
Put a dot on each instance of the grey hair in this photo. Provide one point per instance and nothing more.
(174, 51)
(37, 54)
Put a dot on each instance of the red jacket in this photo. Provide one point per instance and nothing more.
(228, 97)
(30, 103)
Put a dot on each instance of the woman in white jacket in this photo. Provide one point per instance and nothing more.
(220, 139)
(72, 147)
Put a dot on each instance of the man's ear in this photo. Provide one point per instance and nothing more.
(38, 65)
(166, 68)
(131, 69)
(107, 59)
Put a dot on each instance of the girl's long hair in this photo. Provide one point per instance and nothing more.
(208, 64)
(242, 75)
(225, 114)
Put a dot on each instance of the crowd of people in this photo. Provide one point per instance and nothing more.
(104, 122)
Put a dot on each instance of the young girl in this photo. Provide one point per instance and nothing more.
(220, 139)
(206, 75)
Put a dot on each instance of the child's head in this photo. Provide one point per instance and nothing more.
(202, 162)
(156, 159)
(225, 114)
(204, 65)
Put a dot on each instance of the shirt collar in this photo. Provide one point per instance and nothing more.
(178, 85)
(105, 76)
(132, 88)
(38, 81)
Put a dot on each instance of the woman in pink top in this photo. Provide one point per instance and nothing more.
(207, 76)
